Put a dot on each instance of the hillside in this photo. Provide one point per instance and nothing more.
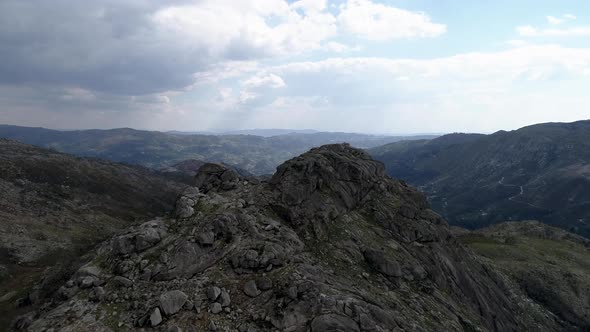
(329, 243)
(539, 172)
(552, 266)
(255, 154)
(56, 206)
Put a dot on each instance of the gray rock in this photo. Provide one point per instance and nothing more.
(213, 293)
(333, 323)
(292, 292)
(171, 302)
(264, 283)
(251, 289)
(189, 305)
(206, 238)
(155, 317)
(89, 270)
(216, 176)
(184, 207)
(119, 281)
(98, 294)
(147, 238)
(215, 307)
(380, 262)
(419, 272)
(65, 293)
(87, 282)
(191, 192)
(123, 245)
(174, 329)
(224, 298)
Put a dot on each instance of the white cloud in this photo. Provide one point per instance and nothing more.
(264, 80)
(517, 42)
(246, 28)
(472, 91)
(554, 20)
(530, 31)
(564, 18)
(380, 22)
(336, 47)
(310, 5)
(569, 17)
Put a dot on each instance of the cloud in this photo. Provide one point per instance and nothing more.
(530, 31)
(477, 91)
(264, 80)
(379, 22)
(564, 18)
(131, 48)
(336, 47)
(144, 47)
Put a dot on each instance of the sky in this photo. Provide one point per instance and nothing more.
(386, 67)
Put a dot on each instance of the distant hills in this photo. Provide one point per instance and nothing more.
(539, 172)
(255, 154)
(255, 132)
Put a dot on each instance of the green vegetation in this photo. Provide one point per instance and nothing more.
(552, 268)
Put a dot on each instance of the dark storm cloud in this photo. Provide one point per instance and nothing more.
(106, 46)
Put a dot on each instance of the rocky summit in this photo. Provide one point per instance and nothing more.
(329, 243)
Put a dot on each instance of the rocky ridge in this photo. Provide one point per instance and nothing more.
(329, 243)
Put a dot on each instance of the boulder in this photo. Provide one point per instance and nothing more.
(213, 293)
(215, 308)
(98, 294)
(184, 207)
(251, 289)
(155, 317)
(206, 238)
(216, 176)
(224, 298)
(119, 281)
(171, 302)
(147, 238)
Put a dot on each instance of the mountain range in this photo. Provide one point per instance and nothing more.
(331, 241)
(328, 243)
(255, 154)
(539, 172)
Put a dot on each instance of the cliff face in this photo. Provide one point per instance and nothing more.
(329, 243)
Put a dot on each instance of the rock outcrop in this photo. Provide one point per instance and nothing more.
(329, 243)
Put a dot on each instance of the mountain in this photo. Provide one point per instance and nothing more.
(269, 132)
(328, 243)
(255, 154)
(55, 207)
(540, 172)
(551, 265)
